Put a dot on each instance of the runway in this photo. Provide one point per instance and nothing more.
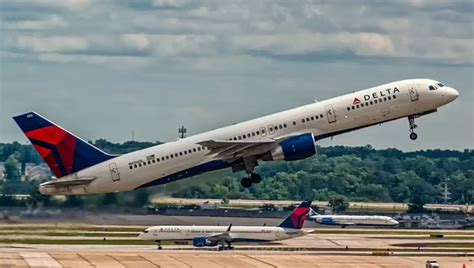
(210, 259)
(314, 250)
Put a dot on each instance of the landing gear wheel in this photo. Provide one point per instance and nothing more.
(255, 178)
(411, 121)
(246, 182)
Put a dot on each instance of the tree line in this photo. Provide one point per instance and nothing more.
(350, 173)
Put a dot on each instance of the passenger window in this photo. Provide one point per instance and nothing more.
(312, 118)
(144, 163)
(130, 167)
(284, 125)
(167, 157)
(253, 134)
(371, 103)
(294, 123)
(348, 108)
(384, 98)
(361, 105)
(321, 115)
(302, 120)
(258, 132)
(240, 137)
(394, 96)
(171, 156)
(194, 149)
(375, 101)
(135, 166)
(357, 106)
(199, 148)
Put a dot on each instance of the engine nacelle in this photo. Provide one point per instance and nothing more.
(203, 242)
(294, 148)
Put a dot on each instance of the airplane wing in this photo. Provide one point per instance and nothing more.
(225, 149)
(69, 182)
(225, 236)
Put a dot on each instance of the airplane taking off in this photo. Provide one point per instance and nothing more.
(351, 220)
(210, 236)
(81, 168)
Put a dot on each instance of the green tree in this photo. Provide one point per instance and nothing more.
(338, 203)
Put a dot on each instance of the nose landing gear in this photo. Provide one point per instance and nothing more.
(411, 121)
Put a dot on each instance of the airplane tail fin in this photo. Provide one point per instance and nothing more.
(297, 217)
(64, 152)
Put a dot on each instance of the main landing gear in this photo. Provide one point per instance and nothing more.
(249, 165)
(251, 178)
(411, 121)
(223, 247)
(158, 244)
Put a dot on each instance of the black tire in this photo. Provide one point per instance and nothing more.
(246, 182)
(256, 178)
(413, 136)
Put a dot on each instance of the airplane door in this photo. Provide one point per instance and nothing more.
(330, 113)
(114, 172)
(413, 93)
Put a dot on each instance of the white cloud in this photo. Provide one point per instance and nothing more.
(51, 22)
(364, 44)
(136, 41)
(52, 43)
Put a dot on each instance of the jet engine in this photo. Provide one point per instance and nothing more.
(294, 148)
(203, 242)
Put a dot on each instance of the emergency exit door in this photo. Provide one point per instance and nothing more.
(413, 93)
(114, 172)
(331, 115)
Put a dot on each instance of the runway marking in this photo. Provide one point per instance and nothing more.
(86, 260)
(42, 259)
(259, 260)
(178, 260)
(335, 243)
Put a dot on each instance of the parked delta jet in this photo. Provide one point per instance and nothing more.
(81, 168)
(210, 236)
(351, 220)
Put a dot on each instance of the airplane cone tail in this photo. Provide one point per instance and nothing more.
(297, 217)
(62, 151)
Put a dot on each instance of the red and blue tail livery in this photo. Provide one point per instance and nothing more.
(64, 152)
(297, 217)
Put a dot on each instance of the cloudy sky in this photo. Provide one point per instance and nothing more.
(104, 68)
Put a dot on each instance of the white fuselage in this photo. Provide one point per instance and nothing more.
(184, 157)
(238, 233)
(354, 220)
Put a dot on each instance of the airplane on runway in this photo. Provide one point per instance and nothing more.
(210, 236)
(81, 168)
(351, 220)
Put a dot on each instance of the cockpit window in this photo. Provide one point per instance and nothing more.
(431, 87)
(146, 231)
(440, 85)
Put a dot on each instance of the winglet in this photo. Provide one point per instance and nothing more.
(228, 228)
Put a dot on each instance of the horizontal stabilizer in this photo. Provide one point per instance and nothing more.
(69, 182)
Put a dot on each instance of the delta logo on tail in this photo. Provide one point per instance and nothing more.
(62, 151)
(298, 216)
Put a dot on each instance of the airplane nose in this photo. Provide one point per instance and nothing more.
(451, 93)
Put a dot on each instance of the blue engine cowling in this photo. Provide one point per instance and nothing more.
(295, 148)
(203, 242)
